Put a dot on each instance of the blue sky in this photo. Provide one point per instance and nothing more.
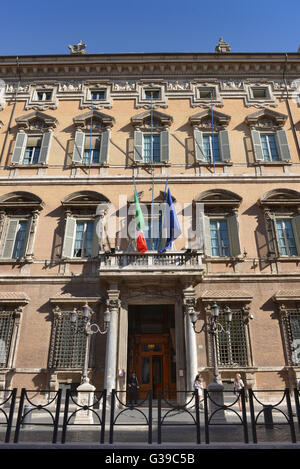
(35, 27)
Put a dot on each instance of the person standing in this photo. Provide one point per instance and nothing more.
(133, 386)
(198, 386)
(238, 385)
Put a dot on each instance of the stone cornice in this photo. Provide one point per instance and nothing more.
(151, 65)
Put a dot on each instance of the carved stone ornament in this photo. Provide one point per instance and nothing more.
(77, 49)
(222, 47)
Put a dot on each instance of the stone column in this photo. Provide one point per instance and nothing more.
(190, 338)
(113, 304)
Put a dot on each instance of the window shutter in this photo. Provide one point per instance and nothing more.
(257, 148)
(224, 145)
(104, 146)
(45, 147)
(96, 240)
(138, 146)
(9, 242)
(78, 147)
(283, 145)
(164, 146)
(233, 233)
(296, 231)
(67, 251)
(198, 145)
(271, 236)
(19, 148)
(205, 232)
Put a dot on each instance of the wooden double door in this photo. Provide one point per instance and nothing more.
(150, 355)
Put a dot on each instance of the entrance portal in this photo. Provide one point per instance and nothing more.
(152, 348)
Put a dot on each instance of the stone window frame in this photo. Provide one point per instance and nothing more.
(83, 206)
(142, 101)
(36, 124)
(23, 206)
(13, 303)
(198, 101)
(237, 301)
(251, 100)
(218, 204)
(280, 204)
(65, 304)
(86, 101)
(201, 123)
(101, 126)
(33, 103)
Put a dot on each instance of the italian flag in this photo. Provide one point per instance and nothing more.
(140, 225)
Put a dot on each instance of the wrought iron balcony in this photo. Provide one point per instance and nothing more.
(151, 263)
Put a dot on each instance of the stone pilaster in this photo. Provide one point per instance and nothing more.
(113, 304)
(189, 302)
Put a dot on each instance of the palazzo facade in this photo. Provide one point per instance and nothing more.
(77, 132)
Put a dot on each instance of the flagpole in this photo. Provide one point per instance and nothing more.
(90, 155)
(212, 137)
(151, 151)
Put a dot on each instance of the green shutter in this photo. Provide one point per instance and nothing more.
(257, 148)
(272, 242)
(45, 147)
(78, 147)
(19, 148)
(67, 251)
(104, 146)
(233, 233)
(283, 145)
(9, 242)
(198, 146)
(164, 146)
(138, 146)
(296, 231)
(224, 145)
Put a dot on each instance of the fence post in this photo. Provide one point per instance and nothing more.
(252, 413)
(290, 412)
(296, 395)
(244, 414)
(150, 418)
(197, 418)
(19, 417)
(206, 422)
(102, 436)
(112, 416)
(66, 411)
(56, 420)
(159, 417)
(11, 414)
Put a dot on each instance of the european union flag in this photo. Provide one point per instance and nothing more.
(170, 221)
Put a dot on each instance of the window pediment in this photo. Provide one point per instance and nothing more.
(100, 121)
(159, 120)
(36, 121)
(266, 119)
(280, 197)
(220, 197)
(204, 120)
(84, 199)
(18, 200)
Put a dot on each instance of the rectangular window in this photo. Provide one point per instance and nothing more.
(6, 331)
(231, 346)
(153, 233)
(32, 150)
(151, 148)
(154, 94)
(260, 93)
(285, 238)
(91, 153)
(211, 148)
(42, 95)
(98, 95)
(269, 147)
(20, 238)
(83, 239)
(68, 346)
(219, 238)
(207, 93)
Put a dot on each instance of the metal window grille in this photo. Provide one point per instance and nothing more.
(6, 331)
(292, 333)
(232, 346)
(68, 348)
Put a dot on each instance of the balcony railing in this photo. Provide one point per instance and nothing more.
(172, 262)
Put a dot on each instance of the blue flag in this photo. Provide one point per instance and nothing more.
(171, 223)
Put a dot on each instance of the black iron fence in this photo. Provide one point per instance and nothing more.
(253, 417)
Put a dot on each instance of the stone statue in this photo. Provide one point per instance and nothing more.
(78, 49)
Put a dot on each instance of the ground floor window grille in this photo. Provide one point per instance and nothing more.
(6, 331)
(232, 346)
(292, 333)
(68, 345)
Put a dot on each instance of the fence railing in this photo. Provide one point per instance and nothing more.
(266, 416)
